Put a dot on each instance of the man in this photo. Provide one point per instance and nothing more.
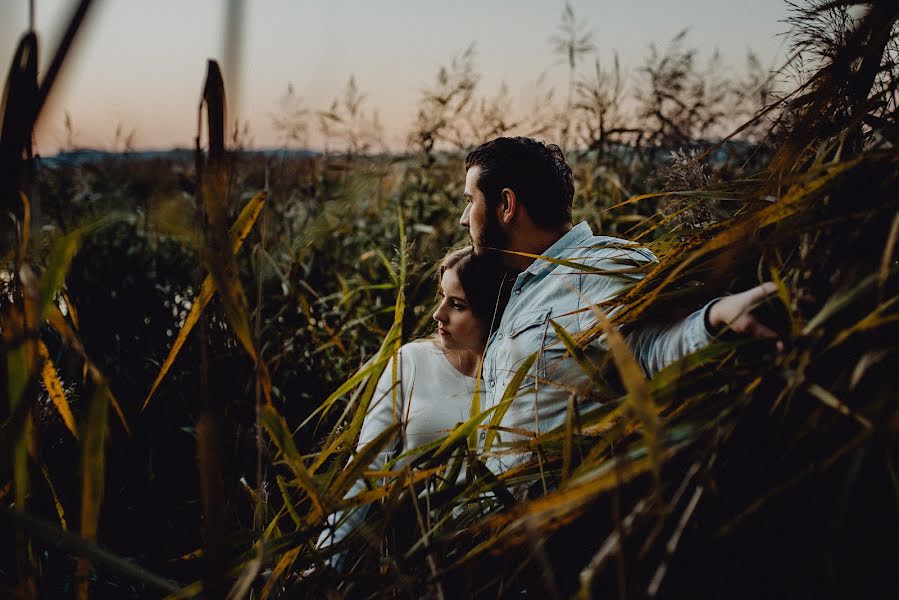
(519, 193)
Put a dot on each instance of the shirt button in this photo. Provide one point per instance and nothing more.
(491, 382)
(518, 292)
(483, 435)
(499, 337)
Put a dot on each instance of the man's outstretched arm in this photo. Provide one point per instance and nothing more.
(657, 347)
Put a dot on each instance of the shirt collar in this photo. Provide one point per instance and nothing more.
(575, 238)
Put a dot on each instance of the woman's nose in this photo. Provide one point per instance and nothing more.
(439, 315)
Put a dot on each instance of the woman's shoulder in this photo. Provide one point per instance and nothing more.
(427, 356)
(421, 350)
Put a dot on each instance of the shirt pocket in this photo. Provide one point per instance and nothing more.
(528, 334)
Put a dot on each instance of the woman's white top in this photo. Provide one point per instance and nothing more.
(431, 397)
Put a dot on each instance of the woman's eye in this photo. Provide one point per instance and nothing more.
(458, 306)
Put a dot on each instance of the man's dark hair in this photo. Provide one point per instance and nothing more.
(536, 172)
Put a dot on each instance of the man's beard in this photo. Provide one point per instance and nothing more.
(492, 237)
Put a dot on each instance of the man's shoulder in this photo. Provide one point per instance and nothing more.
(613, 250)
(606, 245)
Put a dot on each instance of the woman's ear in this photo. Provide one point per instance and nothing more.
(507, 209)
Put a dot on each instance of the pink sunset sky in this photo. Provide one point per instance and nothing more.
(139, 66)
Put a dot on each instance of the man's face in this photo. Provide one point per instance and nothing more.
(482, 222)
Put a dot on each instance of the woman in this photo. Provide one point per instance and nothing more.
(436, 376)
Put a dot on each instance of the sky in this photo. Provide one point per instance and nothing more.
(140, 65)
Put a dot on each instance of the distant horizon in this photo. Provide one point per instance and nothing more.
(139, 70)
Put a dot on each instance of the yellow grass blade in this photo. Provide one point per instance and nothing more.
(828, 399)
(284, 563)
(626, 273)
(59, 324)
(506, 401)
(367, 370)
(362, 461)
(635, 199)
(463, 430)
(59, 510)
(639, 398)
(70, 308)
(288, 501)
(239, 232)
(55, 389)
(277, 429)
(568, 441)
(576, 351)
(475, 407)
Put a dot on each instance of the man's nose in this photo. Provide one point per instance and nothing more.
(463, 221)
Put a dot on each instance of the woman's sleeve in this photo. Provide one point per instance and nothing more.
(386, 408)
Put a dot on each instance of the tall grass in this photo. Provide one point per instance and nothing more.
(739, 471)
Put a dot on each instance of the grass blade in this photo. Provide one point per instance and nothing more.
(64, 250)
(639, 398)
(58, 323)
(56, 502)
(362, 461)
(507, 399)
(239, 232)
(54, 388)
(277, 429)
(75, 544)
(93, 469)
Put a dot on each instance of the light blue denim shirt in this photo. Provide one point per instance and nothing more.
(550, 291)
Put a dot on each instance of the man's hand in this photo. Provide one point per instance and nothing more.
(734, 312)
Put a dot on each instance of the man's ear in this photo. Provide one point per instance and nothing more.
(507, 209)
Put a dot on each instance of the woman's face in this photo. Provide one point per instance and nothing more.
(457, 325)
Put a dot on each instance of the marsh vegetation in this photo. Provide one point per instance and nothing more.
(189, 341)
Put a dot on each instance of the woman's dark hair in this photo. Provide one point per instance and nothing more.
(536, 172)
(483, 280)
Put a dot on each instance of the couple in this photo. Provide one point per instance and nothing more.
(519, 194)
